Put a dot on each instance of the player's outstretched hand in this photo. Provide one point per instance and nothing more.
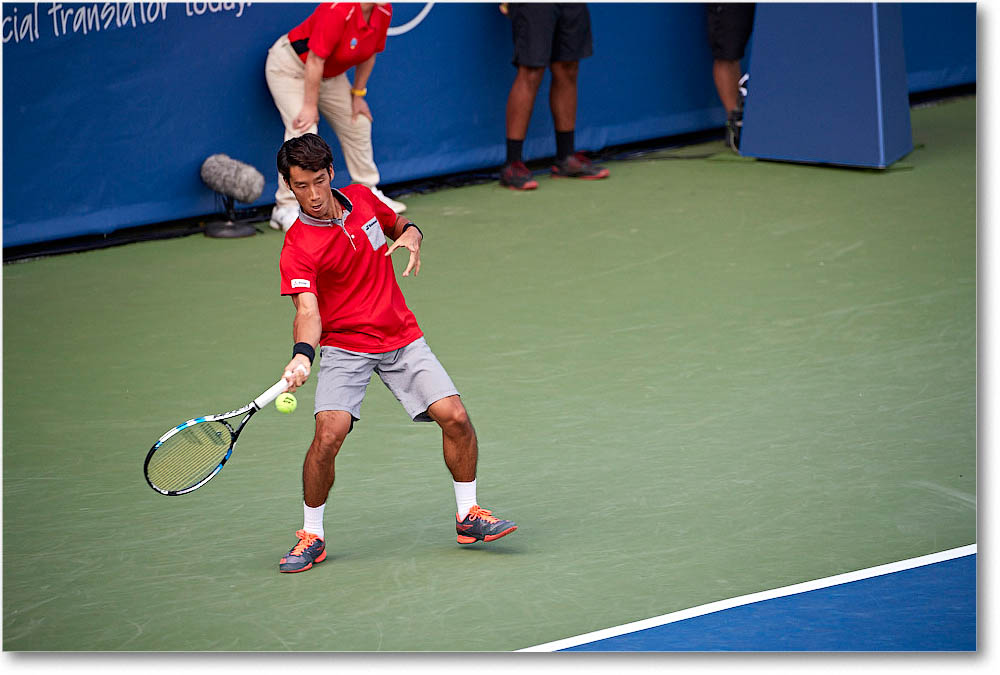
(411, 240)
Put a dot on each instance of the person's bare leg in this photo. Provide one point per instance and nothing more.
(521, 100)
(727, 83)
(562, 94)
(461, 454)
(458, 438)
(332, 427)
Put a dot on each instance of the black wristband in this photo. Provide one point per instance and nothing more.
(305, 349)
(412, 224)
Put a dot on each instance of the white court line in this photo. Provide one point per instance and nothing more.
(720, 605)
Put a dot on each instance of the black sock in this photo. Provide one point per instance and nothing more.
(514, 148)
(564, 144)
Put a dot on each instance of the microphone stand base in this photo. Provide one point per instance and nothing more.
(229, 230)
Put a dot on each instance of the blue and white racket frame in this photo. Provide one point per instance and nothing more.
(267, 397)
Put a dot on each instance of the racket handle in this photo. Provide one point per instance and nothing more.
(277, 388)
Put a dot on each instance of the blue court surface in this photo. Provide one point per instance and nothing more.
(923, 604)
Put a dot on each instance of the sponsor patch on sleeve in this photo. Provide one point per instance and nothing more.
(300, 283)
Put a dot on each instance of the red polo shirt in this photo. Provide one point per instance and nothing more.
(345, 266)
(338, 32)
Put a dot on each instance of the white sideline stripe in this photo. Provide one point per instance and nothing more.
(720, 605)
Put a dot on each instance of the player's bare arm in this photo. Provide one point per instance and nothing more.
(308, 328)
(409, 238)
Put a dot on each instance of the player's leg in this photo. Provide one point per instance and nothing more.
(461, 454)
(458, 437)
(418, 380)
(332, 427)
(340, 389)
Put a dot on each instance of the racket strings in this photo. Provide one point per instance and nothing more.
(190, 455)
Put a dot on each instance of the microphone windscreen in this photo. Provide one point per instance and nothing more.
(233, 178)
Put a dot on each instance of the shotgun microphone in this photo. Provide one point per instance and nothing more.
(234, 181)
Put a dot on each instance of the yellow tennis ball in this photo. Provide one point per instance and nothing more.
(285, 403)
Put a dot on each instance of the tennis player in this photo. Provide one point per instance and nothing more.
(336, 266)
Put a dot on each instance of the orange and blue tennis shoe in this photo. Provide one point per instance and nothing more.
(481, 525)
(309, 549)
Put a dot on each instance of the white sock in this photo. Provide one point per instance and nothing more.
(465, 497)
(313, 521)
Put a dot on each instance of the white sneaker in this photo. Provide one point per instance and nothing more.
(282, 217)
(398, 207)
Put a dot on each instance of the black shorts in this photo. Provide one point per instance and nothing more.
(548, 32)
(729, 27)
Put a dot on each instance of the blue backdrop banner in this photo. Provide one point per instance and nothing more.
(110, 108)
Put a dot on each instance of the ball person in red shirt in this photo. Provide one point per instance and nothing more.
(306, 74)
(336, 266)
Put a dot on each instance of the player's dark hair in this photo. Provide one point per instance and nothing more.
(309, 152)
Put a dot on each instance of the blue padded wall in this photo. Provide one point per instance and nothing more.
(110, 108)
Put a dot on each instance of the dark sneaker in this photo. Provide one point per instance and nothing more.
(734, 127)
(310, 549)
(517, 176)
(481, 525)
(578, 165)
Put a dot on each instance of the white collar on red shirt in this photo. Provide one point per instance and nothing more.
(319, 222)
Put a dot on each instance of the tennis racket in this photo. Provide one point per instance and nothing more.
(194, 452)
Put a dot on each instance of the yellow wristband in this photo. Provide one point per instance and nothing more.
(359, 92)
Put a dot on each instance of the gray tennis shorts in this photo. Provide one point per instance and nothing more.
(412, 373)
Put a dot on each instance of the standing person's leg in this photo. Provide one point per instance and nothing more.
(532, 26)
(418, 380)
(729, 28)
(572, 43)
(354, 134)
(562, 102)
(515, 175)
(284, 73)
(726, 74)
(520, 102)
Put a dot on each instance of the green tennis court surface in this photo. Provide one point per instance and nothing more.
(699, 379)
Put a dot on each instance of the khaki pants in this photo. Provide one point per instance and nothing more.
(285, 78)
